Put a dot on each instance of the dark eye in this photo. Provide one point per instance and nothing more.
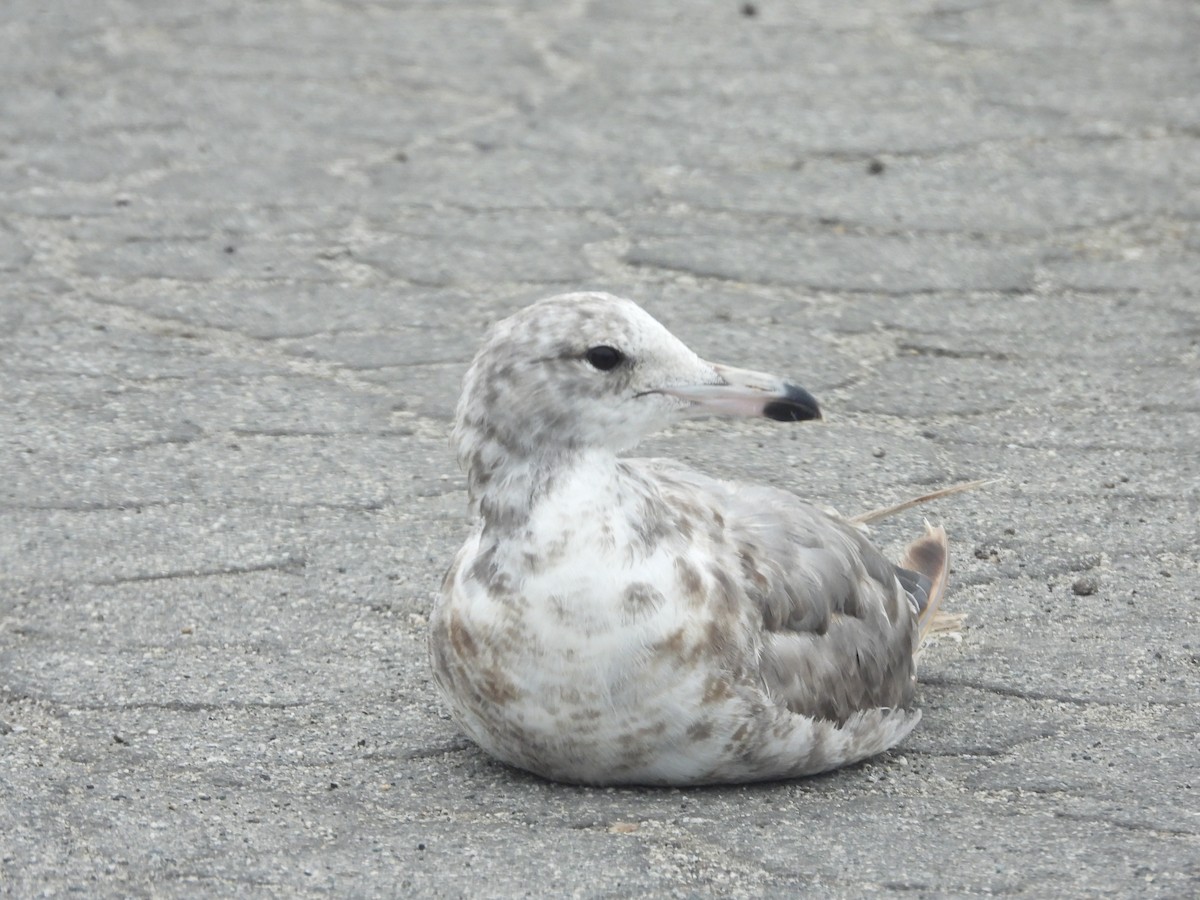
(604, 358)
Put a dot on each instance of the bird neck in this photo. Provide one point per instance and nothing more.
(504, 487)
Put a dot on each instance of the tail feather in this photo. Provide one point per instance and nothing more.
(929, 557)
(926, 563)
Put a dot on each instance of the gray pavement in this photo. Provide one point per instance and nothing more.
(246, 249)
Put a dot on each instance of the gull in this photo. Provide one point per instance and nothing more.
(612, 620)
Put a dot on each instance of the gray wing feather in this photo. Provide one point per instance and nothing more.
(839, 619)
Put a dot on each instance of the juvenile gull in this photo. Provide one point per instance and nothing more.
(616, 621)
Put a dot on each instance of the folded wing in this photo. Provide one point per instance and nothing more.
(840, 621)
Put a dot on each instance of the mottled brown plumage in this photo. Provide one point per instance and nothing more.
(633, 621)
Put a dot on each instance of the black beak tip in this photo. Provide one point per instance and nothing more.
(796, 405)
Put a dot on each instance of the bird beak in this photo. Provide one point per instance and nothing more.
(739, 392)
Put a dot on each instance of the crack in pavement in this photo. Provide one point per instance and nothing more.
(291, 566)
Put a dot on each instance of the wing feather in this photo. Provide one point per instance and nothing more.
(838, 628)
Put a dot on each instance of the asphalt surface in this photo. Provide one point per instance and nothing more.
(246, 250)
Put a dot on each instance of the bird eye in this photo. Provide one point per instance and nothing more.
(604, 358)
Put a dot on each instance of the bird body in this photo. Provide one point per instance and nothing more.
(615, 620)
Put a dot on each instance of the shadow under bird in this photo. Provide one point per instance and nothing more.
(632, 621)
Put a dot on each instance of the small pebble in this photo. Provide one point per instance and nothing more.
(1085, 587)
